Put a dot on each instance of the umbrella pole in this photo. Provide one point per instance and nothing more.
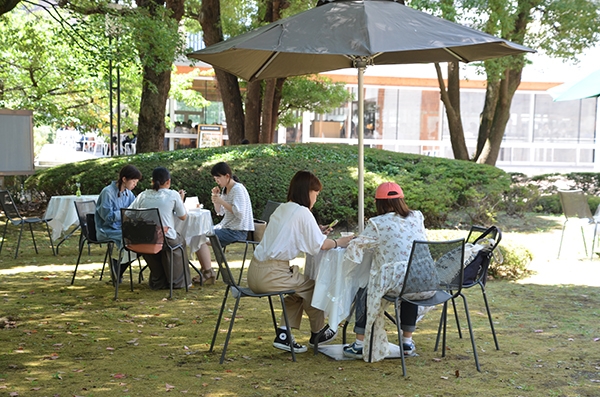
(361, 147)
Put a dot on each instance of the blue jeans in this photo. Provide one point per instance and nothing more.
(408, 314)
(228, 236)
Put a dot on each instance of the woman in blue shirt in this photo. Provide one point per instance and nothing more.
(113, 197)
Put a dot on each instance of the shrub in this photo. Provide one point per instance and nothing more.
(436, 186)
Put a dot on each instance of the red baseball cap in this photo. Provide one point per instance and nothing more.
(389, 190)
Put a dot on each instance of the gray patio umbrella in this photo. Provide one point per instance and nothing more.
(341, 34)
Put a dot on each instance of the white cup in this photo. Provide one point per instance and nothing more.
(347, 234)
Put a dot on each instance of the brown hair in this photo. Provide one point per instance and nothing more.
(397, 205)
(301, 185)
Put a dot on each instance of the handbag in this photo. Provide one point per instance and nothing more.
(259, 229)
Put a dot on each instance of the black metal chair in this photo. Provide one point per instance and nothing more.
(85, 213)
(14, 217)
(270, 207)
(476, 272)
(436, 268)
(143, 233)
(238, 293)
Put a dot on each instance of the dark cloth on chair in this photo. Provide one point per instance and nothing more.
(408, 314)
(160, 266)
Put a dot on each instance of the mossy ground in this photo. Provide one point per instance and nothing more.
(63, 340)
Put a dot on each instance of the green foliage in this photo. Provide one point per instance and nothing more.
(310, 93)
(514, 264)
(435, 186)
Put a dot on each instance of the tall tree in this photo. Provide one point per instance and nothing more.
(157, 19)
(558, 28)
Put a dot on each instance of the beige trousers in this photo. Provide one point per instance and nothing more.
(272, 276)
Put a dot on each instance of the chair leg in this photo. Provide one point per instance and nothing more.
(456, 317)
(33, 237)
(81, 244)
(185, 278)
(489, 313)
(235, 308)
(471, 333)
(171, 283)
(400, 345)
(50, 238)
(561, 239)
(19, 240)
(3, 236)
(584, 243)
(594, 241)
(273, 315)
(212, 344)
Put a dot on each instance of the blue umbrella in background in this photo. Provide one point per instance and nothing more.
(588, 87)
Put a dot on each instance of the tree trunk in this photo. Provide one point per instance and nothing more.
(507, 87)
(210, 20)
(451, 100)
(155, 86)
(276, 103)
(267, 113)
(253, 106)
(151, 124)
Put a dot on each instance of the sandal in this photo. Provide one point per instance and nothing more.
(208, 276)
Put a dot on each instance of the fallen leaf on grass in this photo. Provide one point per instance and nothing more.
(133, 341)
(13, 394)
(110, 349)
(35, 388)
(444, 377)
(119, 376)
(538, 331)
(436, 360)
(169, 387)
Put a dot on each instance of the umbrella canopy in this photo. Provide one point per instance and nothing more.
(588, 87)
(341, 34)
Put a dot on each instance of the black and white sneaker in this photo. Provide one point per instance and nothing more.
(327, 335)
(282, 342)
(410, 350)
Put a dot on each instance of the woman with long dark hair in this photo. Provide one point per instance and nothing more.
(292, 229)
(113, 197)
(232, 201)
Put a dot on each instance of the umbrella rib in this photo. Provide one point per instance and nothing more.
(454, 54)
(265, 65)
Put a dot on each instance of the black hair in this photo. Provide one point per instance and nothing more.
(160, 176)
(223, 169)
(128, 172)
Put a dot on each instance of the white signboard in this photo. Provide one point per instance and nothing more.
(16, 142)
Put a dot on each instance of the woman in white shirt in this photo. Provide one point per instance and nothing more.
(170, 205)
(292, 229)
(232, 201)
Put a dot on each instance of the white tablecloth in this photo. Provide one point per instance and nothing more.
(195, 227)
(336, 282)
(62, 211)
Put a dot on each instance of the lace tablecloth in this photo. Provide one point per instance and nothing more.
(336, 282)
(62, 211)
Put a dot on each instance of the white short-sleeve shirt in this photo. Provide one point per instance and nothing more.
(292, 229)
(169, 205)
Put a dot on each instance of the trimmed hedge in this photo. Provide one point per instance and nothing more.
(436, 186)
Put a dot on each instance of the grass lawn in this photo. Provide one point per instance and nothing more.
(63, 340)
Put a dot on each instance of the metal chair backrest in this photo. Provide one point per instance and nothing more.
(9, 206)
(270, 207)
(476, 270)
(142, 230)
(574, 204)
(83, 208)
(434, 266)
(222, 262)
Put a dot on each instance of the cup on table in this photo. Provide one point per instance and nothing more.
(347, 234)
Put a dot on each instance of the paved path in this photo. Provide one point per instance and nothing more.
(573, 267)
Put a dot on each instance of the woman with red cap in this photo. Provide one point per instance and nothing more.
(389, 235)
